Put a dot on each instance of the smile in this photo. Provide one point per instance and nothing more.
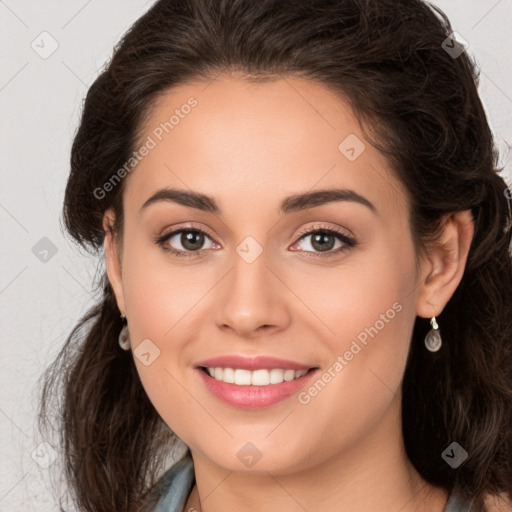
(253, 382)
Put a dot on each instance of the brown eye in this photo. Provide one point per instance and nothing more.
(192, 240)
(186, 242)
(324, 240)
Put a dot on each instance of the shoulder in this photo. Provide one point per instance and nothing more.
(492, 503)
(175, 486)
(498, 502)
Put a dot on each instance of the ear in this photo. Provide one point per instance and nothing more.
(443, 266)
(113, 259)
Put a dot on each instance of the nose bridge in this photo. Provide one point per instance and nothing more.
(250, 270)
(250, 298)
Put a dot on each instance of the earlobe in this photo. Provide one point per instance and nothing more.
(445, 263)
(113, 260)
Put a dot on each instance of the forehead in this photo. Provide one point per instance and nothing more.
(253, 143)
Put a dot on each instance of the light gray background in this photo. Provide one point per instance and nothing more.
(40, 101)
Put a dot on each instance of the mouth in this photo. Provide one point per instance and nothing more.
(253, 383)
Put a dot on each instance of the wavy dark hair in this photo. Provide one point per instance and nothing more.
(387, 59)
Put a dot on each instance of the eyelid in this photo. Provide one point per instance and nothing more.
(161, 239)
(348, 241)
(323, 227)
(192, 226)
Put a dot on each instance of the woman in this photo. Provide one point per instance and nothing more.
(308, 279)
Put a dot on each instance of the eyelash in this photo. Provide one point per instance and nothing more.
(348, 242)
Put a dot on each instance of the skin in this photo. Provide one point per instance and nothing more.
(250, 146)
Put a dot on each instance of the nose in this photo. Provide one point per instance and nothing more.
(252, 301)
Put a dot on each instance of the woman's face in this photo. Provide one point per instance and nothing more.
(254, 168)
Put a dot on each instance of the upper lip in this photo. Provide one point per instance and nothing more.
(252, 363)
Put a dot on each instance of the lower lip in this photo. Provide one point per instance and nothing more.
(254, 397)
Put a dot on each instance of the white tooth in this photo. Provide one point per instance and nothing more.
(260, 378)
(276, 376)
(243, 377)
(229, 375)
(289, 375)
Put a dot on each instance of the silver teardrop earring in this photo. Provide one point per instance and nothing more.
(433, 339)
(124, 338)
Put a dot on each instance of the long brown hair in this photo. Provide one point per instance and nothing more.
(389, 59)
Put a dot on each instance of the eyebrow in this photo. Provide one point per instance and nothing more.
(295, 203)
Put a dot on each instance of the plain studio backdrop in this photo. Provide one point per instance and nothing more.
(50, 54)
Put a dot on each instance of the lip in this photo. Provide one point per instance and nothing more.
(252, 363)
(253, 397)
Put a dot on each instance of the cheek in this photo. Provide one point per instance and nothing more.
(360, 382)
(369, 307)
(368, 296)
(162, 307)
(159, 294)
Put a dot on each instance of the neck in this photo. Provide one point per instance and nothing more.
(375, 474)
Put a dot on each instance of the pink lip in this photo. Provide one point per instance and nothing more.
(252, 363)
(253, 397)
